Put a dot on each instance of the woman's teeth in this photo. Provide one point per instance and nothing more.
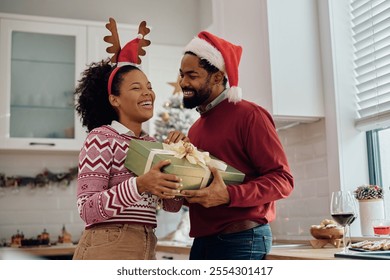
(146, 103)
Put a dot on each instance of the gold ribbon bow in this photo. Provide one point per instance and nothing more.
(193, 155)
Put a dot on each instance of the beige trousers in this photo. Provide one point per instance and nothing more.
(117, 242)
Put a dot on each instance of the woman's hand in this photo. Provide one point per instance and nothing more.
(175, 136)
(158, 183)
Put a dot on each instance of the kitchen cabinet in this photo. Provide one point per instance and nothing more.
(39, 64)
(41, 60)
(281, 62)
(295, 60)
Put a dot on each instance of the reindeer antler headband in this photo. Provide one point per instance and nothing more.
(131, 52)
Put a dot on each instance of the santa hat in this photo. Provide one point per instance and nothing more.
(130, 53)
(223, 55)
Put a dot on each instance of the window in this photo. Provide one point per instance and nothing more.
(379, 161)
(371, 41)
(371, 35)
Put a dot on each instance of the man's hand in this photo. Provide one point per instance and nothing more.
(175, 136)
(213, 195)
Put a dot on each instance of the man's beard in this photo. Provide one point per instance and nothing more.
(199, 96)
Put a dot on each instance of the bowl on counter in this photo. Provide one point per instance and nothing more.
(327, 233)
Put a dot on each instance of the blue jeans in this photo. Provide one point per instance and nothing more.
(251, 244)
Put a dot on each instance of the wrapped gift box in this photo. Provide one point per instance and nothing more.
(142, 153)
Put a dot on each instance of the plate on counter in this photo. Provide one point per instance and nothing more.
(370, 251)
(363, 254)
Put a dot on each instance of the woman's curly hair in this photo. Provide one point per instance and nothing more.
(92, 103)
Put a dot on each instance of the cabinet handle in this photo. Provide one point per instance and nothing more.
(43, 144)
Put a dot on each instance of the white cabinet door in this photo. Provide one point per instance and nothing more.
(295, 59)
(40, 63)
(280, 67)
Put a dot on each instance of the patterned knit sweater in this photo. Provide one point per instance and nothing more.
(106, 189)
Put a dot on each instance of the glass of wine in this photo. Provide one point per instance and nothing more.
(351, 221)
(348, 229)
(343, 211)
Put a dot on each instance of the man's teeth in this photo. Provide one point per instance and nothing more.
(187, 93)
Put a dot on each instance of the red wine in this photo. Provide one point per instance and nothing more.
(344, 218)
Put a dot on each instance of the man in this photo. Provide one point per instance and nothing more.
(231, 222)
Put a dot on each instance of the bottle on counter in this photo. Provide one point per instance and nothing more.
(65, 237)
(16, 239)
(44, 237)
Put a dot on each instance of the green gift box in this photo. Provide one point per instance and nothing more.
(142, 153)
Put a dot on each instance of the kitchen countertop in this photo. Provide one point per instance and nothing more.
(281, 252)
(302, 252)
(49, 252)
(56, 250)
(67, 251)
(288, 251)
(173, 247)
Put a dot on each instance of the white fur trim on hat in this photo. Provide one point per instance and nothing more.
(205, 50)
(123, 63)
(234, 94)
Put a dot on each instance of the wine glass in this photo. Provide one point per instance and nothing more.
(343, 211)
(348, 228)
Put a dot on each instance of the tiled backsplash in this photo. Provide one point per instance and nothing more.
(31, 211)
(305, 146)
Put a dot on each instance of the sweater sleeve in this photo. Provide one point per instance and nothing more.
(173, 205)
(272, 179)
(96, 201)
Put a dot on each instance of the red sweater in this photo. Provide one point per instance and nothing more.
(244, 136)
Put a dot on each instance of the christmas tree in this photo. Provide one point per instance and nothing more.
(174, 116)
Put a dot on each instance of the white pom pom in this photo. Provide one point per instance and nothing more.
(140, 36)
(234, 94)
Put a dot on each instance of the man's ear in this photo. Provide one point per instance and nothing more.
(218, 77)
(113, 100)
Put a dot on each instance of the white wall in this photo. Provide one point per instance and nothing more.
(346, 145)
(348, 162)
(174, 22)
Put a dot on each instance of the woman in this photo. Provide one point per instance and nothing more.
(119, 209)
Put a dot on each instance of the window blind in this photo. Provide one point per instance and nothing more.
(371, 40)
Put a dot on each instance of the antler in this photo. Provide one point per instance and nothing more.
(143, 30)
(113, 39)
